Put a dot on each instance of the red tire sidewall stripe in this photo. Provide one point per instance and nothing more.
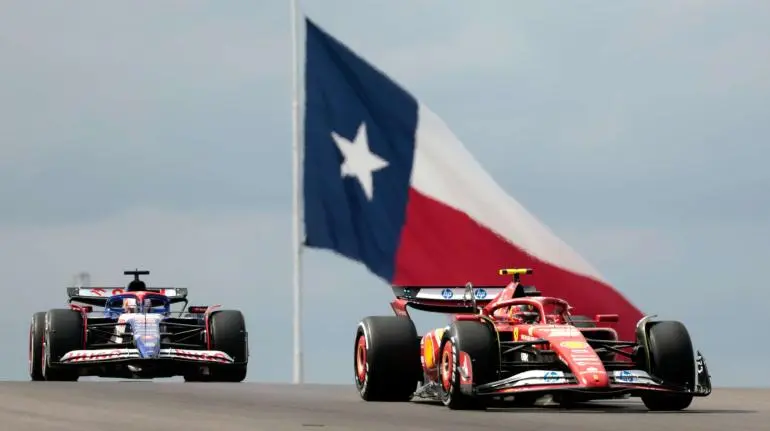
(361, 359)
(447, 366)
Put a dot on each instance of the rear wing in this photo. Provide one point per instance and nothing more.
(97, 296)
(458, 299)
(443, 299)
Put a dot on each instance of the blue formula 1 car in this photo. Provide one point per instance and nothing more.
(137, 335)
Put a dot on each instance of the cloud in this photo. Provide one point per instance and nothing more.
(162, 103)
(197, 102)
(125, 82)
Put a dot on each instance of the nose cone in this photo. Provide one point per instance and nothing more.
(148, 345)
(146, 331)
(582, 360)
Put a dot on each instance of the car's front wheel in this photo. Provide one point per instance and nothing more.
(63, 334)
(36, 340)
(672, 359)
(228, 334)
(467, 348)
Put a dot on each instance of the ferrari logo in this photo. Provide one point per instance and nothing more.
(516, 334)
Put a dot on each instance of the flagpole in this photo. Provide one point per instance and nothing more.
(296, 210)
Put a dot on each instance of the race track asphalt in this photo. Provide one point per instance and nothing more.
(140, 405)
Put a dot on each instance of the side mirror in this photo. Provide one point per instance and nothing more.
(198, 309)
(607, 318)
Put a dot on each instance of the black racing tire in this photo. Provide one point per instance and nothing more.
(478, 340)
(63, 334)
(228, 334)
(195, 375)
(672, 359)
(386, 358)
(36, 335)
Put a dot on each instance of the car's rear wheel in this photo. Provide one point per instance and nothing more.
(36, 339)
(477, 341)
(63, 334)
(672, 359)
(386, 359)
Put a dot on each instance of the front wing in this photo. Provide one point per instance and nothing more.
(132, 355)
(623, 381)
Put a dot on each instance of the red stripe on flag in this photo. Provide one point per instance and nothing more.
(440, 245)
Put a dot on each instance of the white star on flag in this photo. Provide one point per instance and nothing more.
(359, 161)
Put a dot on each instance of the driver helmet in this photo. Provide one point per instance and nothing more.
(130, 305)
(524, 313)
(558, 315)
(136, 286)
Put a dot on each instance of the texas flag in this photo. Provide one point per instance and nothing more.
(387, 184)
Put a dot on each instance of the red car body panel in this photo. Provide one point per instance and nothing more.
(588, 358)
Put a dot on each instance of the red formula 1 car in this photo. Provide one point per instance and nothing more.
(511, 344)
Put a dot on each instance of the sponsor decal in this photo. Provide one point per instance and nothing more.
(626, 376)
(551, 376)
(451, 293)
(203, 355)
(700, 364)
(429, 351)
(536, 377)
(96, 355)
(583, 358)
(573, 344)
(101, 292)
(559, 331)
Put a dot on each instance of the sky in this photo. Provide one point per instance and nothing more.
(158, 135)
